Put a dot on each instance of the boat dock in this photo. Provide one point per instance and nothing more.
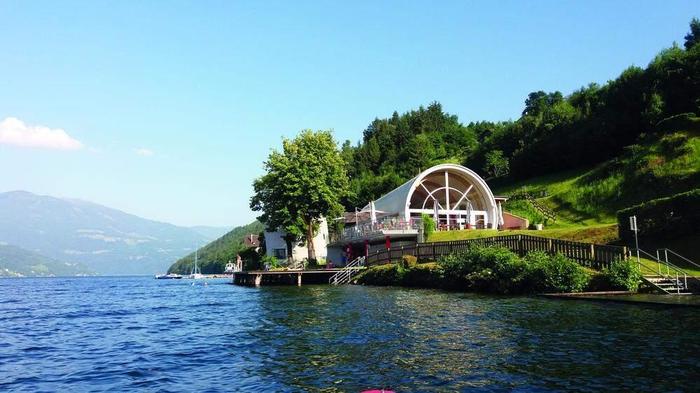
(283, 277)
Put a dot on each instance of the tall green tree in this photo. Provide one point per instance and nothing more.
(496, 164)
(267, 198)
(303, 184)
(693, 37)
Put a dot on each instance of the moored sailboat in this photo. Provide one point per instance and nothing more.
(196, 274)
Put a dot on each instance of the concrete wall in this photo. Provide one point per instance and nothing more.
(275, 240)
(511, 221)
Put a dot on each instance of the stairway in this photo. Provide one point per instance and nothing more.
(541, 208)
(662, 275)
(344, 276)
(669, 285)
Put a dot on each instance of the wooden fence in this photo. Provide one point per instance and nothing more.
(591, 255)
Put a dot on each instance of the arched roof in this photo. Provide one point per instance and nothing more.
(397, 200)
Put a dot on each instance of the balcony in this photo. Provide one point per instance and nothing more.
(377, 230)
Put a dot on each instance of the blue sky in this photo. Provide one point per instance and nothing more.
(168, 109)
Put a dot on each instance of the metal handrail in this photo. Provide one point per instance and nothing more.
(669, 266)
(667, 250)
(345, 274)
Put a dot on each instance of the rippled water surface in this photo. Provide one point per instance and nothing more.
(141, 334)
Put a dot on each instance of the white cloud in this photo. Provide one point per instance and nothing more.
(144, 152)
(14, 131)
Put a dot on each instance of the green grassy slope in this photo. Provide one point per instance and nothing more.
(651, 169)
(214, 256)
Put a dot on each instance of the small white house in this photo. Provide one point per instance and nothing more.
(277, 247)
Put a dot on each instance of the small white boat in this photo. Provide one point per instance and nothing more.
(169, 276)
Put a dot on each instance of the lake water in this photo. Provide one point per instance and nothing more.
(141, 334)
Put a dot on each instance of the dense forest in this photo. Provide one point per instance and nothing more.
(214, 256)
(555, 132)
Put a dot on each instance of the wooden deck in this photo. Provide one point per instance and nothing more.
(287, 277)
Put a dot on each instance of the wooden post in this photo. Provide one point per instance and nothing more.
(520, 245)
(299, 279)
(258, 280)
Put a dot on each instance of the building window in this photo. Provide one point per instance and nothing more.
(280, 253)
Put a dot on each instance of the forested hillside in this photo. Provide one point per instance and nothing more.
(214, 256)
(18, 262)
(555, 132)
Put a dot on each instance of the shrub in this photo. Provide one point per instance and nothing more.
(270, 261)
(555, 273)
(314, 263)
(428, 225)
(419, 275)
(408, 261)
(498, 270)
(380, 275)
(623, 275)
(425, 275)
(674, 145)
(488, 269)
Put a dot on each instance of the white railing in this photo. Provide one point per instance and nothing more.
(664, 269)
(345, 274)
(666, 251)
(368, 229)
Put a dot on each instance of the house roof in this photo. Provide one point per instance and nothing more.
(251, 240)
(396, 200)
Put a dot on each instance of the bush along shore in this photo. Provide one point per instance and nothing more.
(500, 271)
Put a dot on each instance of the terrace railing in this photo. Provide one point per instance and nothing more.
(591, 255)
(344, 276)
(366, 230)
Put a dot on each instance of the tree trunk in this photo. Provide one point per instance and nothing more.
(310, 240)
(288, 241)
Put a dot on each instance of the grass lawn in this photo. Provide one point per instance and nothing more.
(598, 234)
(592, 196)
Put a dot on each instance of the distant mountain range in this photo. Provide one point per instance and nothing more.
(18, 262)
(104, 240)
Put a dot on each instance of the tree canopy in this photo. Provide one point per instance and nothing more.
(693, 37)
(554, 132)
(303, 183)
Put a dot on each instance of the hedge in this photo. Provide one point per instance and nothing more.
(663, 218)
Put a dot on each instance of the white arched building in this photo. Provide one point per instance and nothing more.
(455, 196)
